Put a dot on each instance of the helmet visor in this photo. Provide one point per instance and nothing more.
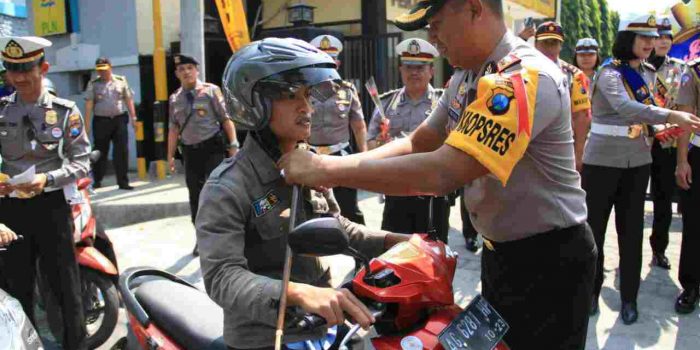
(317, 79)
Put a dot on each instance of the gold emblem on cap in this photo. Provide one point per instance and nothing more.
(666, 22)
(51, 117)
(651, 21)
(551, 28)
(177, 59)
(13, 50)
(325, 43)
(414, 48)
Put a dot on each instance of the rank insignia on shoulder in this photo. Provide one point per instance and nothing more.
(342, 94)
(508, 62)
(263, 205)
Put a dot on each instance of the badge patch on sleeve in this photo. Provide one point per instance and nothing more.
(579, 93)
(265, 204)
(496, 128)
(75, 125)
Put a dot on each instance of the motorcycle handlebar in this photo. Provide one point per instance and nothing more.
(311, 321)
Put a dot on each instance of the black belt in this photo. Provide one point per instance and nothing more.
(112, 117)
(553, 237)
(210, 142)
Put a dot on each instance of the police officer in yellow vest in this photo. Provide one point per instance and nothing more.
(511, 148)
(111, 100)
(669, 71)
(331, 123)
(405, 109)
(45, 135)
(617, 156)
(688, 179)
(549, 39)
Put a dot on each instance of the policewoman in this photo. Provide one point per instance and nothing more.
(333, 120)
(510, 146)
(669, 72)
(406, 108)
(110, 100)
(587, 57)
(245, 205)
(617, 157)
(46, 136)
(688, 179)
(549, 39)
(199, 121)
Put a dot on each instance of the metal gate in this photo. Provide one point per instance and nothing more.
(366, 56)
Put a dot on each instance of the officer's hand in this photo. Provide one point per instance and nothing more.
(35, 187)
(684, 175)
(171, 164)
(304, 168)
(232, 151)
(6, 189)
(331, 304)
(685, 121)
(7, 236)
(134, 119)
(527, 33)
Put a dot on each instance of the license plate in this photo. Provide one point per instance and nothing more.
(478, 327)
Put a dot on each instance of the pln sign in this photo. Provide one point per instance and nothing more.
(49, 17)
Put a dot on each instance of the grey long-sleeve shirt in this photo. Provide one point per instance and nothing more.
(243, 213)
(612, 105)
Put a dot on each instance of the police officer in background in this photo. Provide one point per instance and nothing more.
(549, 39)
(199, 121)
(45, 132)
(510, 147)
(688, 179)
(111, 100)
(669, 71)
(406, 109)
(331, 123)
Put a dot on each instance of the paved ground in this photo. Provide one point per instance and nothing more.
(151, 226)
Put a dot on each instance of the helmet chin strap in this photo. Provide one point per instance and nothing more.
(265, 137)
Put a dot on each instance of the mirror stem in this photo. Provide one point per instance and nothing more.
(357, 255)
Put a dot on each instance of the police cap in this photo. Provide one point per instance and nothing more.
(184, 59)
(22, 53)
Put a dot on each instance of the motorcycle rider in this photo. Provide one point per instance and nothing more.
(244, 206)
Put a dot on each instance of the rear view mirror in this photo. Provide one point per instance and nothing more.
(319, 237)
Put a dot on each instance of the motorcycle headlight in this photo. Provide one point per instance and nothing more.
(12, 319)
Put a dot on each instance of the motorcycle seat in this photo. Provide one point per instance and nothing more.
(185, 314)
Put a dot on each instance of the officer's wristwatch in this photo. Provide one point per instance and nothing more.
(50, 181)
(234, 144)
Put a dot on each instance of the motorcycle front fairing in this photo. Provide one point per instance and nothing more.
(16, 332)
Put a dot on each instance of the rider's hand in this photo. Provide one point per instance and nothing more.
(6, 235)
(329, 303)
(35, 187)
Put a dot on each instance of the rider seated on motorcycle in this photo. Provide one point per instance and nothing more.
(7, 236)
(245, 205)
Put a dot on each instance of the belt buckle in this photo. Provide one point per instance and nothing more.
(489, 245)
(323, 149)
(634, 131)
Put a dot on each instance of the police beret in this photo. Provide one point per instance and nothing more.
(184, 59)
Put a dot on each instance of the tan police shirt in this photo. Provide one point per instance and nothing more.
(330, 122)
(206, 112)
(109, 97)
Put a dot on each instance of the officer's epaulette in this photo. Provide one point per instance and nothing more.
(63, 102)
(649, 66)
(676, 61)
(95, 79)
(693, 63)
(119, 77)
(388, 94)
(569, 67)
(507, 62)
(439, 92)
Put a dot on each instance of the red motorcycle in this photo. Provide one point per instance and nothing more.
(408, 288)
(98, 273)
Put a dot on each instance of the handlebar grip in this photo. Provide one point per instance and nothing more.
(311, 321)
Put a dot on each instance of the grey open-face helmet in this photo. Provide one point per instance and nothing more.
(266, 69)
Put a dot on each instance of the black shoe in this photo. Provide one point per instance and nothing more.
(660, 260)
(594, 307)
(126, 187)
(472, 244)
(195, 251)
(629, 312)
(96, 185)
(687, 301)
